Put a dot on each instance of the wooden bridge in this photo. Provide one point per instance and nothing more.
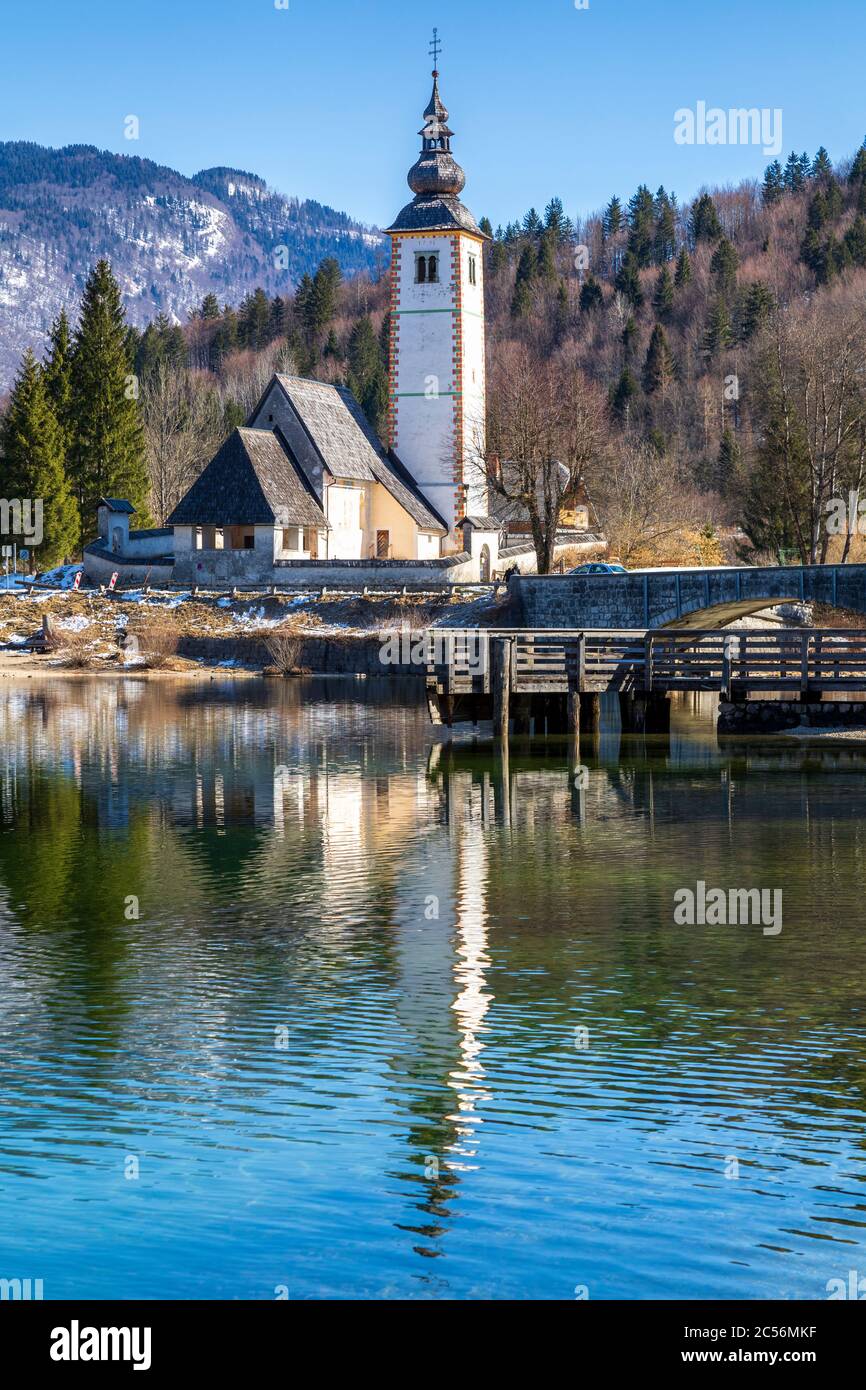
(476, 672)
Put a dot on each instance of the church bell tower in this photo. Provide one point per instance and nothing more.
(437, 392)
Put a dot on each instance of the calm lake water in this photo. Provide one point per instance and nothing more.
(292, 996)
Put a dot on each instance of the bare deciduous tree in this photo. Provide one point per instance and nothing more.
(546, 424)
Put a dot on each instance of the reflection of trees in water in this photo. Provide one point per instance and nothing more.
(293, 846)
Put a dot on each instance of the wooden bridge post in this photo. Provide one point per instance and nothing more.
(500, 681)
(576, 670)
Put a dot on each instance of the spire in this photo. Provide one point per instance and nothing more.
(437, 171)
(436, 178)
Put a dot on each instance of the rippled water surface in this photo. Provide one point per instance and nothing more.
(291, 999)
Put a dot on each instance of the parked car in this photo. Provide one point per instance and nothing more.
(597, 567)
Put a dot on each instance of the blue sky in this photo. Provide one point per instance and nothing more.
(324, 99)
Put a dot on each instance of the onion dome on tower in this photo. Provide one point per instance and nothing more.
(436, 179)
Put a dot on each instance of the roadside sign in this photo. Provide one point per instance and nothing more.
(76, 583)
(113, 580)
(24, 554)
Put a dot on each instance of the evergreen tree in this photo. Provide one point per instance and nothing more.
(683, 273)
(704, 221)
(225, 339)
(622, 395)
(613, 219)
(663, 296)
(793, 178)
(858, 168)
(629, 340)
(641, 221)
(33, 444)
(773, 184)
(658, 368)
(821, 166)
(254, 319)
(756, 310)
(723, 267)
(498, 257)
(367, 378)
(628, 280)
(591, 296)
(58, 377)
(546, 265)
(107, 447)
(486, 227)
(855, 240)
(718, 335)
(556, 222)
(664, 238)
(532, 224)
(209, 308)
(521, 301)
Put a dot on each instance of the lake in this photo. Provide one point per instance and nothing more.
(301, 1000)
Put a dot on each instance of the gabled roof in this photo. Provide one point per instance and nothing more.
(250, 481)
(348, 447)
(116, 504)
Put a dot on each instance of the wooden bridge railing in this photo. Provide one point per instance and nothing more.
(662, 660)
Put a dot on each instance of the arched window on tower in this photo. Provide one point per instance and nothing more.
(420, 270)
(433, 269)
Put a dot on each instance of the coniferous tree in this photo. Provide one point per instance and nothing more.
(546, 265)
(723, 267)
(683, 273)
(591, 296)
(498, 257)
(855, 240)
(622, 395)
(774, 185)
(486, 227)
(629, 340)
(663, 295)
(821, 165)
(532, 224)
(556, 222)
(107, 447)
(858, 168)
(704, 221)
(613, 219)
(756, 309)
(718, 334)
(561, 313)
(209, 308)
(658, 368)
(33, 447)
(58, 377)
(664, 237)
(367, 377)
(641, 218)
(521, 301)
(628, 280)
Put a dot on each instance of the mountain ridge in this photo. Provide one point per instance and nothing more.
(171, 239)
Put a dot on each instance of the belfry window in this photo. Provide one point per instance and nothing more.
(426, 270)
(473, 271)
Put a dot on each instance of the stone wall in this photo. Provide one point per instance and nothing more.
(212, 568)
(774, 716)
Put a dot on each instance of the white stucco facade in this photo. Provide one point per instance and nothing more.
(437, 379)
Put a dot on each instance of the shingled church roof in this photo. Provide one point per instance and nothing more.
(250, 481)
(348, 447)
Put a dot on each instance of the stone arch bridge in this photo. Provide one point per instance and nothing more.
(679, 598)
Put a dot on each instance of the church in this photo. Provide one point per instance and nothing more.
(308, 480)
(307, 485)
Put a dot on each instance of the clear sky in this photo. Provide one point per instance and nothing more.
(324, 98)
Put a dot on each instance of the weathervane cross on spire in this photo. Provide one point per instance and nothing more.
(435, 48)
